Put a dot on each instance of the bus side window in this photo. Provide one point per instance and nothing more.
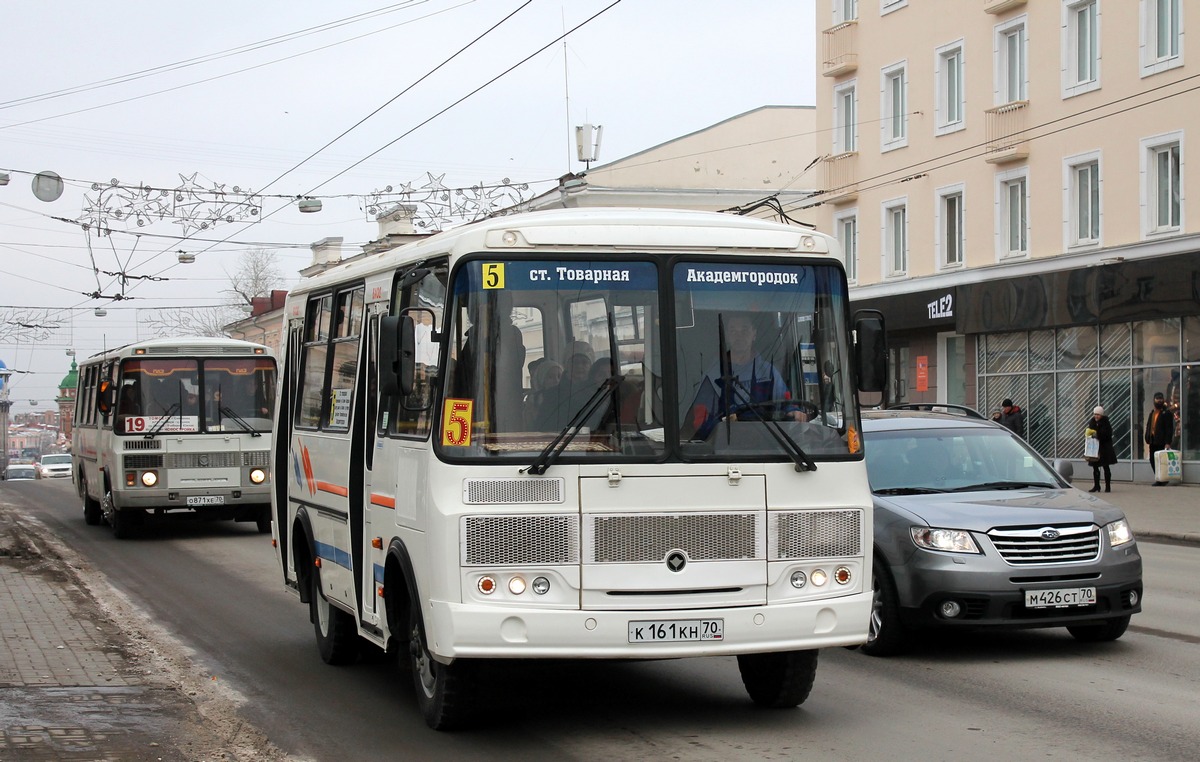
(412, 416)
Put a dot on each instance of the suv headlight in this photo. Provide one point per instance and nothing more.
(946, 540)
(1119, 533)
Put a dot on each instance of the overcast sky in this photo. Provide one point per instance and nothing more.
(222, 94)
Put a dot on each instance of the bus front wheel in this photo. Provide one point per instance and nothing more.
(778, 680)
(337, 639)
(91, 506)
(445, 692)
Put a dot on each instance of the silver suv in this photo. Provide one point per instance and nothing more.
(974, 529)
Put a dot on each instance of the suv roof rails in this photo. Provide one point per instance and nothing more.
(939, 407)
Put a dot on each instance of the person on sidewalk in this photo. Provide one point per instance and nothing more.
(1100, 428)
(1012, 417)
(1160, 425)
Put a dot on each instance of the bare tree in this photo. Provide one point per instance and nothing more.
(257, 275)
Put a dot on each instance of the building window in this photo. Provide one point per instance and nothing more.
(1082, 200)
(1162, 35)
(1081, 46)
(949, 108)
(950, 226)
(845, 118)
(894, 107)
(1013, 213)
(1011, 61)
(1162, 185)
(845, 10)
(846, 229)
(895, 237)
(887, 6)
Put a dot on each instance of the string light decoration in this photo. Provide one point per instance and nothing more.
(191, 205)
(434, 206)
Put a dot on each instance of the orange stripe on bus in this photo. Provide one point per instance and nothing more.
(383, 501)
(335, 489)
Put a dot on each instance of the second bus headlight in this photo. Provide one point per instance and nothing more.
(149, 478)
(258, 475)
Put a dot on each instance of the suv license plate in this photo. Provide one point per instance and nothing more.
(206, 500)
(676, 630)
(1061, 598)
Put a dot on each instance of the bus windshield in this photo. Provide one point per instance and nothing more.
(193, 396)
(573, 351)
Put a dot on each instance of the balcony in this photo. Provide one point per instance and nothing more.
(1000, 6)
(1006, 137)
(841, 49)
(841, 177)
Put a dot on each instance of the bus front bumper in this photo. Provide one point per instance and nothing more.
(471, 631)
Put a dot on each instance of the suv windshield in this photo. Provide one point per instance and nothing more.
(50, 460)
(562, 354)
(965, 459)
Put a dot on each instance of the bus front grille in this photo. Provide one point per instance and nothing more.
(515, 540)
(816, 534)
(145, 460)
(648, 538)
(260, 458)
(143, 444)
(204, 460)
(509, 491)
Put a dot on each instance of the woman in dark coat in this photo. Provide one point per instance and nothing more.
(1108, 455)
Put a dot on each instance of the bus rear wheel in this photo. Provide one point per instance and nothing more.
(778, 680)
(337, 636)
(445, 692)
(91, 507)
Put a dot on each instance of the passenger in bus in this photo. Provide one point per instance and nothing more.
(131, 401)
(503, 360)
(561, 401)
(756, 387)
(544, 380)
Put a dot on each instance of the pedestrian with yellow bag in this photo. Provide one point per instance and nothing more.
(1099, 440)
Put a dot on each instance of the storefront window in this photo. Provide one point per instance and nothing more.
(1116, 350)
(1039, 421)
(1005, 353)
(1156, 342)
(1115, 397)
(1190, 413)
(1041, 350)
(1191, 339)
(1075, 400)
(1077, 347)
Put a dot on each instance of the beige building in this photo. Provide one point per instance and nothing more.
(769, 152)
(1009, 181)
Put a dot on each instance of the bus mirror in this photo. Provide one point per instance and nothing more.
(397, 355)
(870, 350)
(104, 400)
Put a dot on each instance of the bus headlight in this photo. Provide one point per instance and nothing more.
(149, 478)
(258, 475)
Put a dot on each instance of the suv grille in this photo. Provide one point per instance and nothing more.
(1028, 547)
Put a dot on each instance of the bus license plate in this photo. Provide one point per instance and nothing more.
(676, 630)
(1061, 598)
(206, 500)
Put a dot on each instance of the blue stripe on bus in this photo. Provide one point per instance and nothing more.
(333, 553)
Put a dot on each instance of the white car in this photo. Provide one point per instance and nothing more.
(19, 471)
(54, 466)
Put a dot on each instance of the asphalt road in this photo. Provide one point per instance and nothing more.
(1018, 695)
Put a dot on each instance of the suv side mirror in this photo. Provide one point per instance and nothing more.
(870, 351)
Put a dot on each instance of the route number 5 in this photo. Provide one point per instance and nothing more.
(456, 423)
(493, 275)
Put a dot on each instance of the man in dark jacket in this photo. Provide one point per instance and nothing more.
(1160, 426)
(1012, 417)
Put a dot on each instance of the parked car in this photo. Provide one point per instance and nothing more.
(54, 465)
(19, 471)
(974, 529)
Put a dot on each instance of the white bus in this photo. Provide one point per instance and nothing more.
(175, 426)
(539, 436)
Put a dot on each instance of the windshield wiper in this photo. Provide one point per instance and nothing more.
(909, 491)
(547, 456)
(162, 422)
(228, 413)
(1003, 485)
(731, 383)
